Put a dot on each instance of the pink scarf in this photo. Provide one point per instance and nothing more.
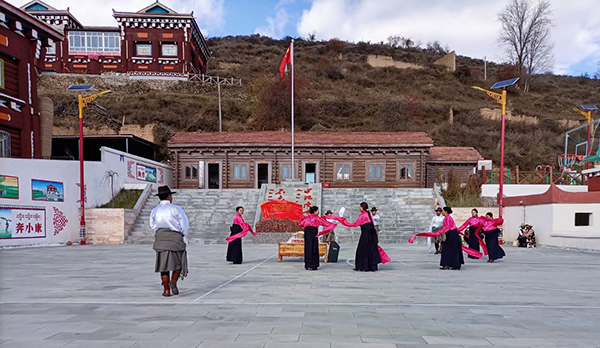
(239, 220)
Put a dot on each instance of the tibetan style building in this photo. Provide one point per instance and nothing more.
(154, 42)
(23, 44)
(336, 159)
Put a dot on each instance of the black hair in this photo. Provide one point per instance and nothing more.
(313, 209)
(163, 196)
(365, 206)
(448, 210)
(490, 214)
(475, 210)
(238, 208)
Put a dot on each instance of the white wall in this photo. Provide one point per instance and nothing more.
(67, 172)
(554, 224)
(512, 190)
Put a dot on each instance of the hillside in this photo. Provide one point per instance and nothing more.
(338, 90)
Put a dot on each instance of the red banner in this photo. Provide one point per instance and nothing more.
(281, 209)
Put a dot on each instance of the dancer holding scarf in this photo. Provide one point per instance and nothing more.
(474, 230)
(311, 224)
(367, 252)
(239, 229)
(491, 232)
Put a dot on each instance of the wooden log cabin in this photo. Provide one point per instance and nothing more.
(336, 159)
(154, 42)
(461, 160)
(23, 43)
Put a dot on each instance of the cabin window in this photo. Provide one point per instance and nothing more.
(286, 171)
(343, 171)
(1, 73)
(583, 219)
(191, 171)
(406, 171)
(240, 171)
(4, 144)
(143, 49)
(51, 49)
(375, 172)
(92, 42)
(169, 49)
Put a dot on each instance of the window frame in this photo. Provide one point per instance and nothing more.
(368, 165)
(5, 137)
(335, 171)
(173, 44)
(53, 47)
(589, 215)
(81, 42)
(191, 167)
(144, 43)
(399, 171)
(240, 178)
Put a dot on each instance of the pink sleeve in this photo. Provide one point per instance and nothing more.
(237, 220)
(328, 226)
(302, 221)
(447, 226)
(463, 226)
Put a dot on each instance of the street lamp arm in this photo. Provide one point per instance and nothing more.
(496, 96)
(586, 114)
(91, 98)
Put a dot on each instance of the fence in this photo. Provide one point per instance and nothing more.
(544, 176)
(216, 80)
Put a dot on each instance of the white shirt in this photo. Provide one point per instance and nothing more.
(376, 219)
(171, 216)
(437, 222)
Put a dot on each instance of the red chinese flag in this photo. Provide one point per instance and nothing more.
(287, 59)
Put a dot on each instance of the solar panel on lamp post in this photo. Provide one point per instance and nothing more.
(501, 99)
(82, 102)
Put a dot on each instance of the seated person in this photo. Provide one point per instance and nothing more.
(526, 236)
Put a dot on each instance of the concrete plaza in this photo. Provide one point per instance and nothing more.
(108, 296)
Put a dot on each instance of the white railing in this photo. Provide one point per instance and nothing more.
(215, 80)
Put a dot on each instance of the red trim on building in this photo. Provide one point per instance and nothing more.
(553, 195)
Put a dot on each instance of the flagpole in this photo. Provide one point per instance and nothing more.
(292, 60)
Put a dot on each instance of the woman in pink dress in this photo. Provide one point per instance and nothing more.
(311, 225)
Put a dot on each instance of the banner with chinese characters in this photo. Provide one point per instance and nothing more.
(146, 173)
(281, 209)
(22, 222)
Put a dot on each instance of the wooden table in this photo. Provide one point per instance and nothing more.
(297, 250)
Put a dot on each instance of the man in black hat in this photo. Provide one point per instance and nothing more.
(437, 222)
(170, 225)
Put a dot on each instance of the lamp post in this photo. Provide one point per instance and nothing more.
(587, 113)
(501, 99)
(83, 102)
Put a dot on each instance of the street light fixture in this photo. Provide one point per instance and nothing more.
(501, 99)
(83, 102)
(586, 111)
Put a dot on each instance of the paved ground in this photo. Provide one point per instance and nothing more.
(97, 296)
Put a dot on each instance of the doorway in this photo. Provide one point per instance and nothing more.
(262, 174)
(310, 173)
(214, 176)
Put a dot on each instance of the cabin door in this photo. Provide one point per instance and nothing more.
(213, 175)
(311, 172)
(263, 173)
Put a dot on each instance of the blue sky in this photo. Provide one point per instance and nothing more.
(467, 26)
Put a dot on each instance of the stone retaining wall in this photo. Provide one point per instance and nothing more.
(108, 226)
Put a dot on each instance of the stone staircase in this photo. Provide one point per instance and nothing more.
(210, 213)
(403, 212)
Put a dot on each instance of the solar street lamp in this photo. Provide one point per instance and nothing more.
(586, 111)
(501, 99)
(83, 102)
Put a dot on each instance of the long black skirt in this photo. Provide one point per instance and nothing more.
(311, 248)
(495, 252)
(234, 249)
(473, 241)
(452, 255)
(367, 253)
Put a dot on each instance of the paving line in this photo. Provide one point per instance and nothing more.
(233, 279)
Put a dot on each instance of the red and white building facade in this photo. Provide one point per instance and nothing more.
(153, 42)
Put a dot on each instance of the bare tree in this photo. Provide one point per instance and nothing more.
(394, 40)
(525, 35)
(109, 176)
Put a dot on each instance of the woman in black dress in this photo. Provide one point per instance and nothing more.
(311, 224)
(452, 254)
(239, 229)
(473, 240)
(491, 232)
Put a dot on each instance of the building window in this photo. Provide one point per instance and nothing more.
(191, 171)
(240, 171)
(169, 50)
(583, 219)
(1, 73)
(286, 172)
(93, 42)
(143, 49)
(51, 49)
(4, 144)
(406, 171)
(375, 172)
(342, 171)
